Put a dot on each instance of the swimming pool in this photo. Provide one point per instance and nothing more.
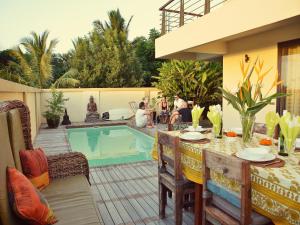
(111, 144)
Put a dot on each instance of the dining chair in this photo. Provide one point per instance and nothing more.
(133, 106)
(220, 205)
(170, 177)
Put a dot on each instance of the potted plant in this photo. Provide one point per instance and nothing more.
(249, 98)
(55, 108)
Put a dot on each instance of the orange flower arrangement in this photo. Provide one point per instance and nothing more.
(231, 134)
(266, 142)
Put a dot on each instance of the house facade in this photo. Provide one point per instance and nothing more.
(232, 31)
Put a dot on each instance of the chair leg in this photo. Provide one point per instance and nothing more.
(186, 198)
(162, 201)
(178, 199)
(169, 194)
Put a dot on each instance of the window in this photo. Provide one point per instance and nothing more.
(289, 72)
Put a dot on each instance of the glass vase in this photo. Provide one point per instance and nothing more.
(247, 127)
(289, 146)
(217, 131)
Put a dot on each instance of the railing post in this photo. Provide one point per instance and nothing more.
(207, 6)
(181, 15)
(163, 23)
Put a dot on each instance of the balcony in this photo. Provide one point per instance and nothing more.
(176, 13)
(205, 29)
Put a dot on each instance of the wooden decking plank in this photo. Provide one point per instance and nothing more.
(114, 206)
(139, 203)
(94, 176)
(105, 215)
(134, 186)
(114, 213)
(168, 209)
(136, 218)
(118, 205)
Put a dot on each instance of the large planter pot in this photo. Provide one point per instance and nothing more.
(53, 122)
(247, 126)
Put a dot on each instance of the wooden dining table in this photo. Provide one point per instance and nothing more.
(275, 191)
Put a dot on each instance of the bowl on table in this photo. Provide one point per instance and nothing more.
(191, 128)
(192, 136)
(256, 154)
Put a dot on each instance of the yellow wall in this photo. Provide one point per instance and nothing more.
(11, 95)
(106, 99)
(31, 96)
(263, 45)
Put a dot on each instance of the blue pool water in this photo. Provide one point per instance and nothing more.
(111, 144)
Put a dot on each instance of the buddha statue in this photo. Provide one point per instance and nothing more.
(92, 115)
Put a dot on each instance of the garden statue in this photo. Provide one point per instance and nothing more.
(66, 119)
(92, 114)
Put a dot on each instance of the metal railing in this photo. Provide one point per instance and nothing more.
(176, 13)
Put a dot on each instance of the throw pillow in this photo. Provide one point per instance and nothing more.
(27, 202)
(35, 167)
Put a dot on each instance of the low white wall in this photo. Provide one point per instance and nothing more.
(106, 99)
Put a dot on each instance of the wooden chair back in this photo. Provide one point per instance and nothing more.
(231, 168)
(173, 160)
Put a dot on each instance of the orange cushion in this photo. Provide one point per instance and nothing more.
(27, 202)
(35, 167)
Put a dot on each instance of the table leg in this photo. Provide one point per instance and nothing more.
(198, 204)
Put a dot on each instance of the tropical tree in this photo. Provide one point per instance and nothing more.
(145, 52)
(34, 59)
(9, 69)
(192, 80)
(60, 65)
(105, 57)
(115, 23)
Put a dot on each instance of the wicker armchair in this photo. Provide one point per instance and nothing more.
(61, 165)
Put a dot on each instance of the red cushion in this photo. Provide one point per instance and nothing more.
(27, 202)
(35, 167)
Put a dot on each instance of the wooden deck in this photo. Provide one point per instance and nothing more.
(125, 194)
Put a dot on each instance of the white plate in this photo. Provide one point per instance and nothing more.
(191, 128)
(297, 145)
(192, 136)
(256, 151)
(255, 157)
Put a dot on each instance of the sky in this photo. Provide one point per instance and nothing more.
(69, 19)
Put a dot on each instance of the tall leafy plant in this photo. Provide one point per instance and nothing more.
(249, 98)
(55, 105)
(192, 80)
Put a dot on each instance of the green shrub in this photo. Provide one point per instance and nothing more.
(197, 81)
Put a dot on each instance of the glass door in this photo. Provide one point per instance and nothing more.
(289, 72)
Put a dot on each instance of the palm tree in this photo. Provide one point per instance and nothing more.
(68, 79)
(34, 58)
(115, 22)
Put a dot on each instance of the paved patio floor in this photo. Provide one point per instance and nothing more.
(125, 194)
